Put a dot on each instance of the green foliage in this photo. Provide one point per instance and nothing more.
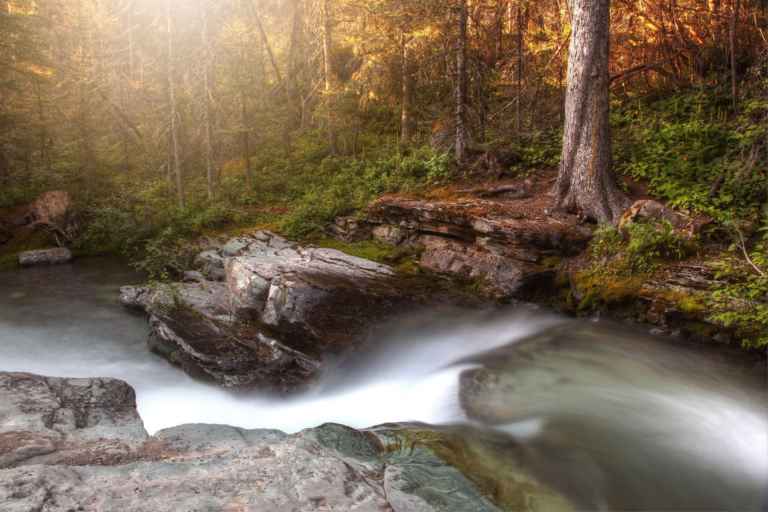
(340, 186)
(651, 242)
(691, 153)
(639, 249)
(149, 229)
(741, 302)
(607, 242)
(541, 150)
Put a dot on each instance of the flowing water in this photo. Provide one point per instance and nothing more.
(613, 418)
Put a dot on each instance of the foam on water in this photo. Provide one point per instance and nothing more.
(67, 322)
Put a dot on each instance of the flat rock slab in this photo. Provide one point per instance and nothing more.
(45, 257)
(76, 464)
(508, 246)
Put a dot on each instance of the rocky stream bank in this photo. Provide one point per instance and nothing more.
(80, 445)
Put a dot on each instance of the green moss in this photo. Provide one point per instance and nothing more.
(551, 262)
(403, 259)
(368, 249)
(489, 463)
(688, 303)
(600, 288)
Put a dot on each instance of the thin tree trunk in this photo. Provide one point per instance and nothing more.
(265, 42)
(176, 164)
(131, 50)
(44, 156)
(520, 59)
(586, 183)
(291, 84)
(406, 116)
(209, 171)
(328, 75)
(732, 38)
(246, 137)
(461, 84)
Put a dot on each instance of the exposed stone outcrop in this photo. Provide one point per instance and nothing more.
(507, 242)
(507, 245)
(675, 297)
(48, 421)
(55, 462)
(268, 313)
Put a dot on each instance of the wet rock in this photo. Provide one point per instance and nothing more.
(216, 467)
(280, 312)
(45, 257)
(193, 326)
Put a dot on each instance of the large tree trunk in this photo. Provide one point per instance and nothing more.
(176, 163)
(586, 183)
(461, 84)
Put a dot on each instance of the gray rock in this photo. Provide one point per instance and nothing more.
(280, 312)
(217, 467)
(45, 257)
(193, 276)
(211, 264)
(47, 420)
(350, 229)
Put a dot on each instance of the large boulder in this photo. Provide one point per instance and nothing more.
(48, 421)
(216, 467)
(277, 314)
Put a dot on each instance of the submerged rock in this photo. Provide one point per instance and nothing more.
(45, 257)
(215, 467)
(624, 421)
(269, 312)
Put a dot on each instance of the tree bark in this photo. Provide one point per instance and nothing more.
(207, 114)
(732, 39)
(328, 74)
(520, 62)
(176, 164)
(246, 137)
(265, 42)
(461, 84)
(586, 183)
(406, 116)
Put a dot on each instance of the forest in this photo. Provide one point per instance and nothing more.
(383, 255)
(168, 120)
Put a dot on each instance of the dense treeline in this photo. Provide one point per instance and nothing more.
(166, 119)
(199, 92)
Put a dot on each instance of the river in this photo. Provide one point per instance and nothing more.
(616, 418)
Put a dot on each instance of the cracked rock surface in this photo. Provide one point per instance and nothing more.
(79, 445)
(262, 311)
